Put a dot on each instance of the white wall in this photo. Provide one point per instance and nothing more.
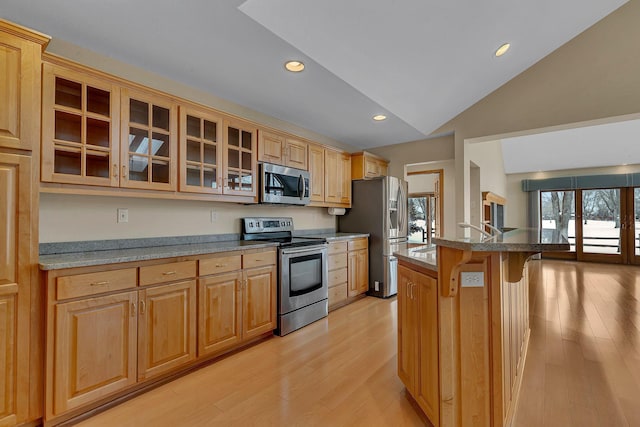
(449, 200)
(516, 209)
(65, 218)
(488, 157)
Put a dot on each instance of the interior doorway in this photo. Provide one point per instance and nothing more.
(425, 207)
(602, 225)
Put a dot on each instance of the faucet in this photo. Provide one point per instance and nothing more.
(475, 227)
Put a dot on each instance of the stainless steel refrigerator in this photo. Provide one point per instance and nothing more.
(379, 207)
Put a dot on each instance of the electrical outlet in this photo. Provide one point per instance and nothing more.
(214, 215)
(472, 279)
(123, 215)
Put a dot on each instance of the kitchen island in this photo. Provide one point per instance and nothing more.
(463, 324)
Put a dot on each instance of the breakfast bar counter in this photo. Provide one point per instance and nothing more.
(463, 324)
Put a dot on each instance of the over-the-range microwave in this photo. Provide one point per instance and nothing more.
(281, 184)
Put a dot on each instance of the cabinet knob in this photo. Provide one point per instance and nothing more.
(115, 170)
(168, 273)
(143, 307)
(221, 265)
(133, 309)
(99, 283)
(124, 171)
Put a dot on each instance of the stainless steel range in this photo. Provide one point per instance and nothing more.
(302, 276)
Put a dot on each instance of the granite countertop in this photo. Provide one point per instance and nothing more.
(422, 256)
(112, 256)
(338, 236)
(517, 240)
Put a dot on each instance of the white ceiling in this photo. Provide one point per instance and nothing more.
(419, 62)
(585, 147)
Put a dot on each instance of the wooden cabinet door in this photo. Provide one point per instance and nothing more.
(296, 154)
(316, 170)
(407, 329)
(371, 167)
(332, 177)
(219, 312)
(200, 151)
(80, 128)
(95, 349)
(149, 137)
(19, 90)
(167, 328)
(259, 301)
(362, 265)
(239, 158)
(15, 264)
(352, 278)
(271, 147)
(344, 180)
(427, 391)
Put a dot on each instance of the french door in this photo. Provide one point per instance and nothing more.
(601, 225)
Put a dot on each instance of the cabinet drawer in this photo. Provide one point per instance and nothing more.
(258, 259)
(337, 261)
(337, 294)
(169, 272)
(222, 264)
(358, 244)
(337, 247)
(80, 285)
(337, 277)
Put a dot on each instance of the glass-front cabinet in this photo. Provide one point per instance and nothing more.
(200, 151)
(239, 158)
(149, 141)
(80, 128)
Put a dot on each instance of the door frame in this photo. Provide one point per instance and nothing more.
(439, 194)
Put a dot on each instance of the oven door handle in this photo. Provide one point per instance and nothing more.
(303, 250)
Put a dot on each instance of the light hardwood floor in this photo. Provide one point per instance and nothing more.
(583, 367)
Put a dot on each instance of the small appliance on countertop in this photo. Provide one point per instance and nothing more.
(302, 271)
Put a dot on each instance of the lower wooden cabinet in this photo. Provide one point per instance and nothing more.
(358, 267)
(418, 339)
(95, 347)
(259, 301)
(348, 265)
(219, 312)
(167, 328)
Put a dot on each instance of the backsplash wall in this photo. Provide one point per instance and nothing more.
(67, 218)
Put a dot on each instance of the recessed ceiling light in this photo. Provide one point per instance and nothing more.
(379, 117)
(294, 66)
(503, 49)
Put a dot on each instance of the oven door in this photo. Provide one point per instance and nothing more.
(303, 277)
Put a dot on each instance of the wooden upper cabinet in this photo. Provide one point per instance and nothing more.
(20, 56)
(337, 178)
(344, 178)
(240, 158)
(366, 165)
(149, 137)
(80, 127)
(316, 170)
(200, 151)
(282, 150)
(15, 283)
(270, 147)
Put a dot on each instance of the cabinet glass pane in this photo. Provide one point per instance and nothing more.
(210, 154)
(138, 141)
(210, 131)
(138, 112)
(193, 175)
(160, 171)
(193, 151)
(160, 117)
(160, 145)
(246, 183)
(233, 137)
(234, 158)
(138, 168)
(98, 101)
(97, 165)
(210, 178)
(67, 162)
(193, 126)
(246, 140)
(97, 132)
(246, 161)
(68, 93)
(233, 180)
(68, 127)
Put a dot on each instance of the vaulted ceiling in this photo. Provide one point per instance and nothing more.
(419, 62)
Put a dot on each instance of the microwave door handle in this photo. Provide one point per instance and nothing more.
(301, 186)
